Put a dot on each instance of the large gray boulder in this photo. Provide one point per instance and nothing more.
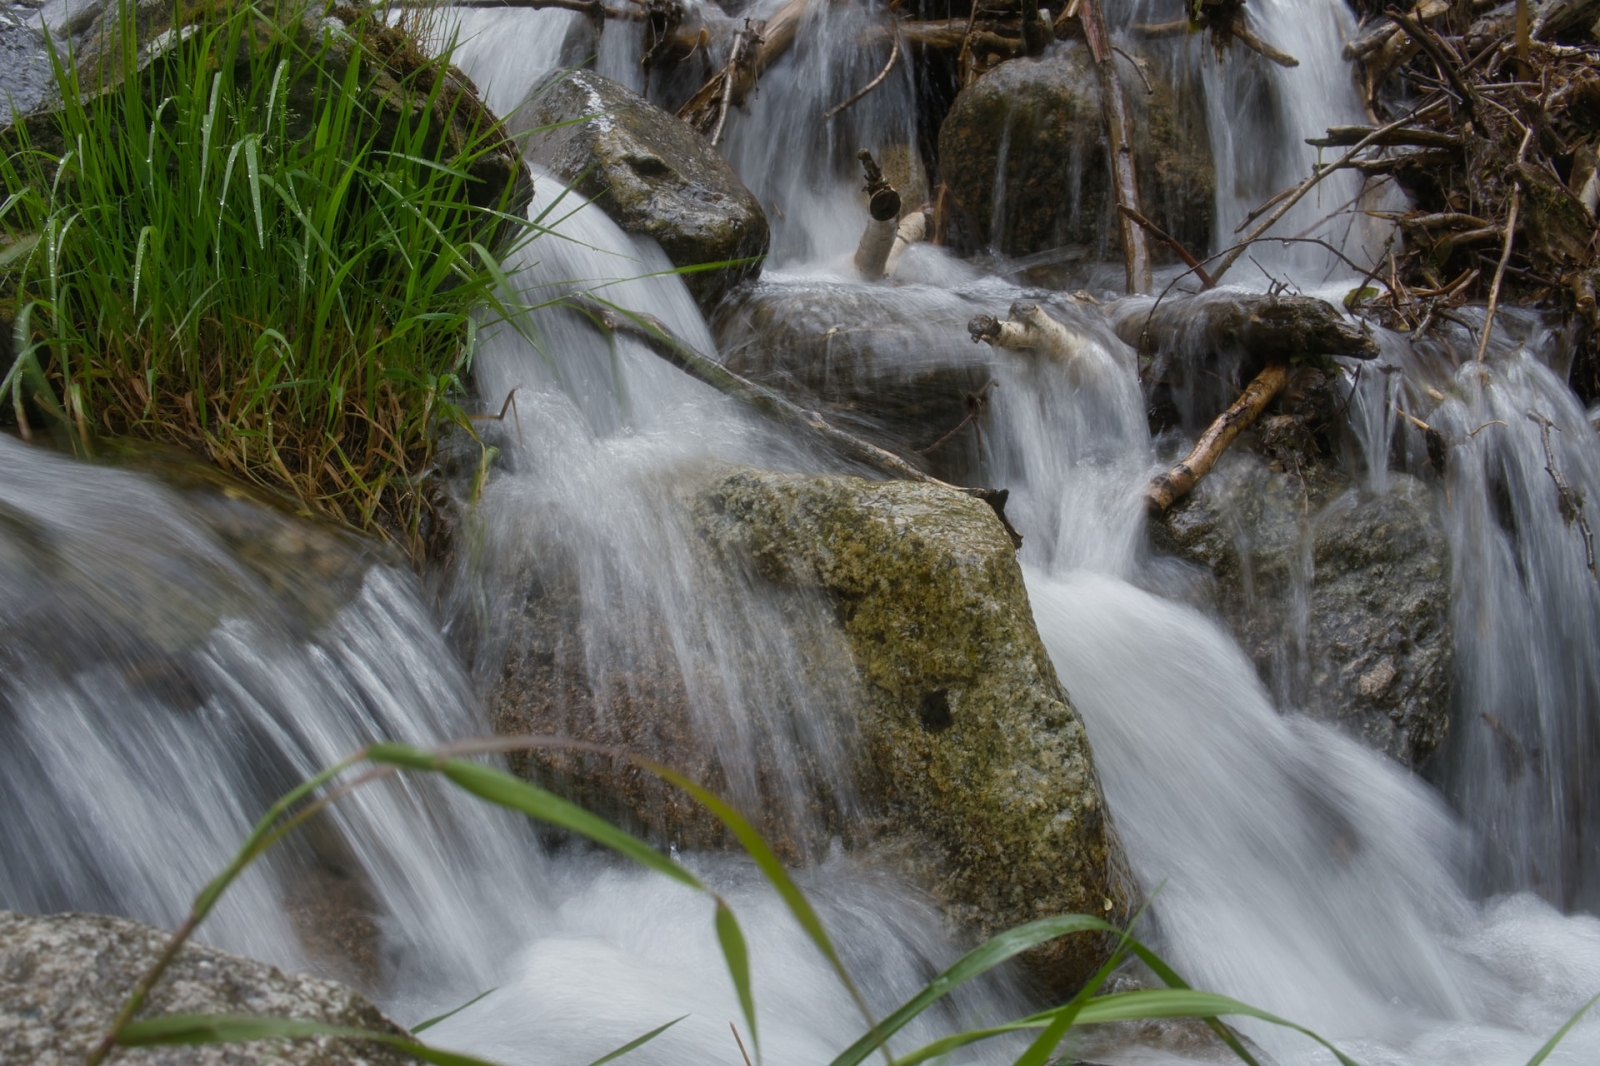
(63, 977)
(1340, 595)
(1023, 152)
(653, 174)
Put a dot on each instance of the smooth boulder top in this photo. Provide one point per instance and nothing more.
(1023, 152)
(652, 173)
(63, 977)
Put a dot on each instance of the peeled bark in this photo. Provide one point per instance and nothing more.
(913, 229)
(1166, 489)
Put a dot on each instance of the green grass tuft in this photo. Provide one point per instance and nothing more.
(264, 245)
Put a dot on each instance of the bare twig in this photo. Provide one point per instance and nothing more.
(1171, 242)
(740, 1042)
(1136, 254)
(1505, 252)
(1298, 193)
(664, 343)
(894, 56)
(1248, 38)
(1569, 499)
(1449, 65)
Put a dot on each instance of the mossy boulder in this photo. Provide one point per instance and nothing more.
(971, 746)
(654, 175)
(1340, 595)
(1023, 152)
(890, 616)
(63, 976)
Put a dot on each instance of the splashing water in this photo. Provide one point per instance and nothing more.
(1295, 869)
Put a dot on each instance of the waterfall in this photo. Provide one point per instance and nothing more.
(158, 688)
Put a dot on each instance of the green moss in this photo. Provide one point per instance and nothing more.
(972, 744)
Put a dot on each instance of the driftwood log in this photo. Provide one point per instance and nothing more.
(754, 50)
(656, 336)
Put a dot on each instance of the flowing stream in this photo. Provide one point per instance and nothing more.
(159, 684)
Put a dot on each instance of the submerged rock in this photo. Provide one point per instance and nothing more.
(1340, 596)
(972, 749)
(1023, 153)
(894, 364)
(653, 175)
(63, 977)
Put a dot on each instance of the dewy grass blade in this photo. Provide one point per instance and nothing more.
(252, 165)
(178, 1029)
(205, 136)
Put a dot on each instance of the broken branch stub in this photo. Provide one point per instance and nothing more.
(878, 239)
(1029, 329)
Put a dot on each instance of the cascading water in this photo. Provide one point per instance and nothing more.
(1295, 869)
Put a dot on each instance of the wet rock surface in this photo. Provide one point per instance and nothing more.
(63, 976)
(893, 365)
(1340, 596)
(971, 746)
(719, 685)
(25, 76)
(1023, 153)
(651, 173)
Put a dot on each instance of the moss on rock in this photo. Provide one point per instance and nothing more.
(971, 744)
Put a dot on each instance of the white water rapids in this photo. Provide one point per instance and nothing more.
(1290, 867)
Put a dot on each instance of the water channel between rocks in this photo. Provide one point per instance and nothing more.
(1404, 919)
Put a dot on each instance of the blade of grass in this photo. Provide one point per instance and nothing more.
(452, 1012)
(978, 961)
(738, 956)
(1125, 1006)
(503, 790)
(637, 1042)
(179, 1029)
(1561, 1033)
